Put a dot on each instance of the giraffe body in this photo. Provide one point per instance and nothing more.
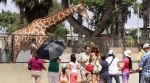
(34, 34)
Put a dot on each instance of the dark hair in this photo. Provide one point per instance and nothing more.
(36, 57)
(130, 62)
(73, 58)
(141, 45)
(86, 47)
(63, 70)
(95, 50)
(103, 57)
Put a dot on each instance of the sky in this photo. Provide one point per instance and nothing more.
(132, 22)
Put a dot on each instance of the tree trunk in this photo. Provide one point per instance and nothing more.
(121, 22)
(103, 23)
(21, 16)
(145, 11)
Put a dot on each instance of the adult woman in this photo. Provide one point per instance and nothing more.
(36, 68)
(126, 66)
(113, 66)
(95, 60)
(53, 70)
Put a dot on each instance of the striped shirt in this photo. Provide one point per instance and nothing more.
(145, 64)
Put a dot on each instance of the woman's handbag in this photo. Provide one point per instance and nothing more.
(89, 67)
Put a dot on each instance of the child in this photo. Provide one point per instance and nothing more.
(73, 67)
(64, 77)
(104, 75)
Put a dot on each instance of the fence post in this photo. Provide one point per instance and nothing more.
(123, 47)
(12, 48)
(89, 41)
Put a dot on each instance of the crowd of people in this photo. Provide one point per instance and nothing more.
(105, 67)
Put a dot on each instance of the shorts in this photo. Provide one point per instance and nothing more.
(125, 76)
(85, 76)
(73, 78)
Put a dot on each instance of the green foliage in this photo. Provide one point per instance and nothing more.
(130, 42)
(34, 9)
(88, 43)
(98, 8)
(132, 33)
(9, 20)
(59, 29)
(55, 9)
(131, 37)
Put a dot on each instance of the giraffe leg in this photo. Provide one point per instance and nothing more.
(15, 55)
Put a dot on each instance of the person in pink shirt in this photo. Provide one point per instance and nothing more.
(126, 66)
(36, 68)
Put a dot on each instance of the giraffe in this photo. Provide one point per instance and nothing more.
(24, 39)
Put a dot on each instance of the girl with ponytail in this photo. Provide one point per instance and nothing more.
(127, 66)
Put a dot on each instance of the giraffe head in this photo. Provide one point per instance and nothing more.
(80, 9)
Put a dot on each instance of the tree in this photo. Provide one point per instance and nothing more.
(58, 31)
(100, 27)
(34, 9)
(9, 20)
(92, 4)
(3, 1)
(145, 16)
(103, 11)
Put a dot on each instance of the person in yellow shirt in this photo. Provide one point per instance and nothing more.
(141, 52)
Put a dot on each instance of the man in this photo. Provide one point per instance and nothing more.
(145, 64)
(141, 52)
(83, 59)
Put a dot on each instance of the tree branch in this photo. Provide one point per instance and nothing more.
(103, 23)
(76, 24)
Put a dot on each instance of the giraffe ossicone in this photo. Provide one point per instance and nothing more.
(34, 34)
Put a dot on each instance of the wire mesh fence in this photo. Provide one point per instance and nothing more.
(74, 44)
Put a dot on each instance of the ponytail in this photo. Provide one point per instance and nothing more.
(130, 62)
(63, 70)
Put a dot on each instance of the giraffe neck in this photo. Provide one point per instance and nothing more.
(50, 21)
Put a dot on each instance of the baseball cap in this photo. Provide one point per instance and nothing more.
(146, 45)
(111, 52)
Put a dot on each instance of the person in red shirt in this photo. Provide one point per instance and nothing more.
(36, 68)
(126, 66)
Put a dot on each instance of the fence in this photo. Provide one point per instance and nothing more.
(74, 44)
